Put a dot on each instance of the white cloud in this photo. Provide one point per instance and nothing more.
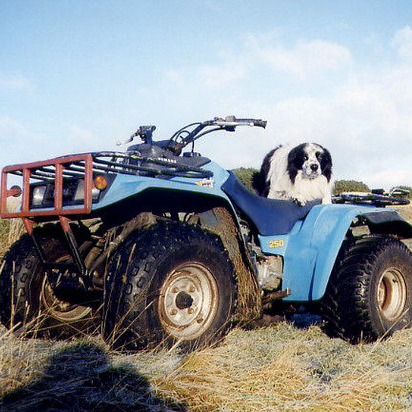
(366, 123)
(18, 143)
(304, 59)
(402, 41)
(366, 120)
(81, 135)
(217, 77)
(9, 129)
(207, 76)
(312, 90)
(14, 82)
(80, 139)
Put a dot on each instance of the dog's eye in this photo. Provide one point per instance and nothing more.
(305, 157)
(319, 155)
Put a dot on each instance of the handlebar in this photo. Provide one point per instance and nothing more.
(194, 131)
(191, 132)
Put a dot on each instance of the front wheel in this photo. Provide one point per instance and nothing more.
(173, 283)
(369, 295)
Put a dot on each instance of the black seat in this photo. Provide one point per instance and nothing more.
(270, 216)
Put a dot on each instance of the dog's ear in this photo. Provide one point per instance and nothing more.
(260, 179)
(295, 161)
(326, 164)
(258, 183)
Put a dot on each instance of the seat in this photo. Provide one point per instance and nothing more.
(270, 216)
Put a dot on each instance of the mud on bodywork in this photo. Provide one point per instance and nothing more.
(219, 221)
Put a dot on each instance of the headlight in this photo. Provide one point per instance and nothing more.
(38, 195)
(79, 196)
(95, 193)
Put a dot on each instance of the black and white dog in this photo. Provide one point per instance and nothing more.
(301, 173)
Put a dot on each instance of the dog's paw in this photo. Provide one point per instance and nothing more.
(327, 200)
(299, 200)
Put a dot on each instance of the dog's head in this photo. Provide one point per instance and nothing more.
(311, 159)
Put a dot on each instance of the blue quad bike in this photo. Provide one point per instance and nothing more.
(163, 246)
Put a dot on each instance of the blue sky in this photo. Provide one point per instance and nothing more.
(79, 75)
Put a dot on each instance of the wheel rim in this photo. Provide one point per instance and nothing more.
(392, 294)
(59, 309)
(188, 301)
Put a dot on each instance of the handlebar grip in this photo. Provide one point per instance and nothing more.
(260, 123)
(254, 122)
(232, 122)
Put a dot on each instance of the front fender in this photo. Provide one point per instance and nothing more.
(132, 186)
(312, 251)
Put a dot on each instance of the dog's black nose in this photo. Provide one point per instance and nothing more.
(314, 167)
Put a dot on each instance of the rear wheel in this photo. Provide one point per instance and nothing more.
(370, 291)
(28, 303)
(173, 283)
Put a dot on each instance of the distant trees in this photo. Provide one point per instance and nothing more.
(246, 175)
(349, 186)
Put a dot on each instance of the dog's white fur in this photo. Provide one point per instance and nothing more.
(303, 181)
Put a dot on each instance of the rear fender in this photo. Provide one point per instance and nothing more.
(312, 251)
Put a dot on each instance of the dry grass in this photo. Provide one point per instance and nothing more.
(81, 375)
(4, 234)
(10, 231)
(405, 211)
(276, 368)
(282, 368)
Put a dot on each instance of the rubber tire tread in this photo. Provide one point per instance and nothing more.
(347, 306)
(20, 276)
(130, 320)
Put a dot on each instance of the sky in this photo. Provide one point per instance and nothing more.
(77, 76)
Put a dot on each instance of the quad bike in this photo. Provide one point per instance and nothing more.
(161, 245)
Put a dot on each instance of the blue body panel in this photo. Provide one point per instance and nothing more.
(125, 186)
(312, 248)
(309, 249)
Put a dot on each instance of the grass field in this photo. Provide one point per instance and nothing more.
(279, 367)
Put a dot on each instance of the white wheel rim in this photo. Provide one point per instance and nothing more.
(188, 301)
(391, 294)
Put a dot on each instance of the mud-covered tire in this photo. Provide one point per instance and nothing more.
(171, 284)
(28, 304)
(369, 294)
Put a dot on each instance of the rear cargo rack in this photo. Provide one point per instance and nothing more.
(370, 199)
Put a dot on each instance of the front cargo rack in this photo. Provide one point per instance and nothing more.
(135, 164)
(58, 173)
(54, 172)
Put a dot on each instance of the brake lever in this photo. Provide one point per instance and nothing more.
(130, 139)
(145, 133)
